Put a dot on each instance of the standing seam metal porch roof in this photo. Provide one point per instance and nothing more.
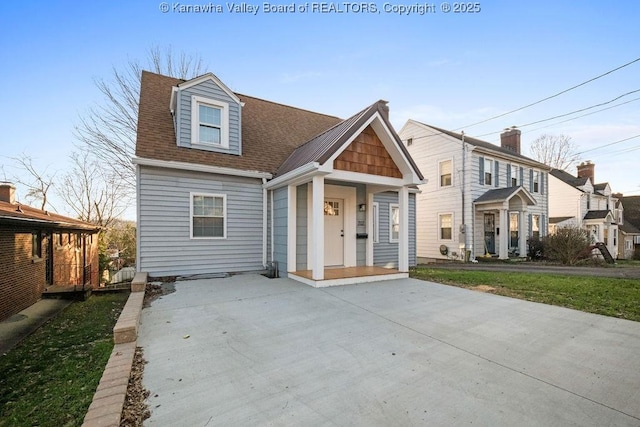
(322, 147)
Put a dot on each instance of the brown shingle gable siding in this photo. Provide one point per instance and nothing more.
(366, 154)
(270, 131)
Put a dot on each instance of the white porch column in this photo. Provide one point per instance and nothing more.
(369, 251)
(317, 230)
(403, 241)
(292, 213)
(522, 234)
(503, 252)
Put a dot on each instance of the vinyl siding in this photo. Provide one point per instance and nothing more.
(207, 89)
(166, 247)
(385, 254)
(280, 206)
(428, 149)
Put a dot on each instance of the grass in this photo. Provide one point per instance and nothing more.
(600, 295)
(49, 379)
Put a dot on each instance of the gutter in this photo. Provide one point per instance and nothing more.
(296, 174)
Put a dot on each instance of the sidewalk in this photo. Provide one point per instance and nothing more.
(19, 326)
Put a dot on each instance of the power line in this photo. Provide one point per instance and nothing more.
(550, 97)
(568, 114)
(609, 144)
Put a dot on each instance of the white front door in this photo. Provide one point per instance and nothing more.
(333, 232)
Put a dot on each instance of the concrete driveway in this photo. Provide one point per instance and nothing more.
(252, 351)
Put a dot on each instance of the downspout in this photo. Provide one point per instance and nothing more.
(264, 223)
(463, 227)
(272, 221)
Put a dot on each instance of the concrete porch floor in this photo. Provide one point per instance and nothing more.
(348, 276)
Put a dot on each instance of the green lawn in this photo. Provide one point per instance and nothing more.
(49, 379)
(607, 296)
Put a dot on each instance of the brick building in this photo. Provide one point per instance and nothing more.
(40, 249)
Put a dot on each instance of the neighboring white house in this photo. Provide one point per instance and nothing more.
(231, 183)
(629, 242)
(577, 201)
(479, 197)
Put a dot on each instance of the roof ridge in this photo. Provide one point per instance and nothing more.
(287, 106)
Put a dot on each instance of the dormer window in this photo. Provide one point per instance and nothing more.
(209, 122)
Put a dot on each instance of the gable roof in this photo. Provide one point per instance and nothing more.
(567, 178)
(599, 214)
(270, 131)
(628, 228)
(631, 206)
(485, 145)
(323, 146)
(504, 194)
(17, 215)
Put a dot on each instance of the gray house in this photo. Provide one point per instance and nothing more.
(230, 183)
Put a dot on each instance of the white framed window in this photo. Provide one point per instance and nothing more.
(394, 223)
(515, 174)
(409, 142)
(208, 216)
(36, 244)
(446, 175)
(488, 168)
(535, 226)
(445, 226)
(628, 244)
(376, 222)
(209, 122)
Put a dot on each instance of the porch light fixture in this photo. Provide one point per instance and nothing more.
(362, 207)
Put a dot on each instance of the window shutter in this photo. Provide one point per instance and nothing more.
(481, 168)
(541, 182)
(497, 178)
(509, 175)
(521, 176)
(543, 225)
(530, 225)
(531, 180)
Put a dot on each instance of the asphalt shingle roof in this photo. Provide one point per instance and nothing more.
(17, 213)
(567, 178)
(600, 214)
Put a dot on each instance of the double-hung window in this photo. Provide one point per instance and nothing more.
(208, 216)
(535, 226)
(536, 181)
(394, 223)
(446, 226)
(445, 173)
(209, 122)
(36, 244)
(488, 167)
(514, 175)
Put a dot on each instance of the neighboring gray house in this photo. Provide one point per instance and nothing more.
(230, 183)
(479, 197)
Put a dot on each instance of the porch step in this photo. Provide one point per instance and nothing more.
(75, 293)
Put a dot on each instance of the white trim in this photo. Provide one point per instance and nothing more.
(214, 79)
(450, 159)
(320, 283)
(391, 206)
(264, 224)
(194, 167)
(403, 241)
(375, 222)
(196, 101)
(364, 178)
(439, 227)
(309, 225)
(317, 212)
(224, 216)
(272, 228)
(299, 175)
(292, 212)
(370, 230)
(138, 215)
(350, 221)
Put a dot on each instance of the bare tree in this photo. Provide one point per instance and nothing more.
(557, 151)
(94, 194)
(37, 183)
(108, 130)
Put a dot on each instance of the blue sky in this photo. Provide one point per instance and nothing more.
(445, 69)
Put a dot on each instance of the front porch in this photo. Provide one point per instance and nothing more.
(348, 276)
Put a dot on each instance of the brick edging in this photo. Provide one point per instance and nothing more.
(108, 401)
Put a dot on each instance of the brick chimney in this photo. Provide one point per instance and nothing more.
(587, 170)
(7, 192)
(510, 139)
